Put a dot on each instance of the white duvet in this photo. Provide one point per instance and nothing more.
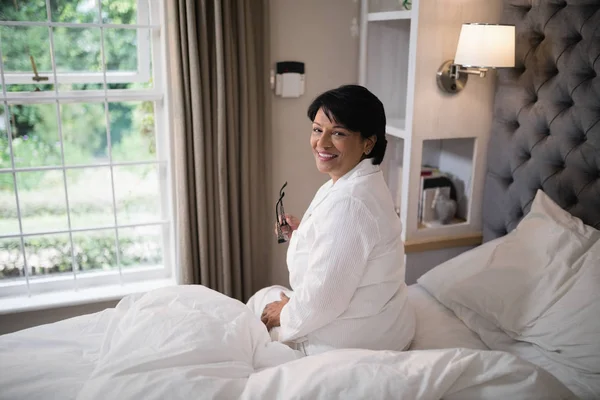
(189, 342)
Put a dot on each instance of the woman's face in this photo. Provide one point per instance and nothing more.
(336, 149)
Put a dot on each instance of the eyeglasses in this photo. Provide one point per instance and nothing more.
(280, 216)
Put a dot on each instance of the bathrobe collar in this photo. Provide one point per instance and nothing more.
(363, 168)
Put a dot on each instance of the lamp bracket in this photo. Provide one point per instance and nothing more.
(481, 72)
(452, 78)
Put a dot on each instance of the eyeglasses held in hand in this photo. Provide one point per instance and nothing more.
(280, 216)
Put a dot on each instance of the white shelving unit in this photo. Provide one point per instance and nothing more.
(396, 127)
(398, 68)
(388, 15)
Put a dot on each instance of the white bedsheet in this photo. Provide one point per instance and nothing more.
(437, 326)
(190, 342)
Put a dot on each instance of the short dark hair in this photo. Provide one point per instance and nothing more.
(357, 109)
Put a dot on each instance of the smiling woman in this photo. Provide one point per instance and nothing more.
(336, 148)
(345, 257)
(340, 146)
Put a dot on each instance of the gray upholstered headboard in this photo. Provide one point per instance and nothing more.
(546, 129)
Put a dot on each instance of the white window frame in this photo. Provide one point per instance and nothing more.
(140, 75)
(78, 281)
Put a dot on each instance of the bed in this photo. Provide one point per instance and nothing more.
(516, 317)
(191, 342)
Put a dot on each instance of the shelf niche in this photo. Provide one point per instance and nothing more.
(454, 159)
(387, 75)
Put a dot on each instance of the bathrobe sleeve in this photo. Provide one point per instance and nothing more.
(345, 234)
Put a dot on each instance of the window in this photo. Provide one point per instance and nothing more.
(85, 189)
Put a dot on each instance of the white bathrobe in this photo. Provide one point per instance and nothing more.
(346, 265)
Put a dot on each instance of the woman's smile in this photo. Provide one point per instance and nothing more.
(324, 156)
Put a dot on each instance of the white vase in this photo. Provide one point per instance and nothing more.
(445, 208)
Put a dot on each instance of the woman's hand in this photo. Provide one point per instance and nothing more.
(271, 313)
(292, 224)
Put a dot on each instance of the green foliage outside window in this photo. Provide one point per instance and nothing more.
(36, 141)
(92, 253)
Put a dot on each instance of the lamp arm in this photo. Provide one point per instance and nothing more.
(456, 70)
(451, 77)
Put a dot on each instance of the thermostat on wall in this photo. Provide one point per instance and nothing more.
(289, 79)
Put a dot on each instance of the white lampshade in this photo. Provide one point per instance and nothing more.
(486, 46)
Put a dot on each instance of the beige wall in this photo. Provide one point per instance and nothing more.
(316, 32)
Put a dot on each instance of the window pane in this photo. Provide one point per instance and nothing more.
(9, 223)
(95, 250)
(84, 133)
(78, 50)
(68, 87)
(26, 87)
(42, 201)
(48, 254)
(20, 42)
(11, 259)
(9, 220)
(74, 11)
(30, 10)
(137, 194)
(35, 135)
(132, 68)
(90, 197)
(141, 246)
(4, 145)
(120, 11)
(132, 131)
(121, 49)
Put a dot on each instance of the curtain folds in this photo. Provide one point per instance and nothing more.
(218, 81)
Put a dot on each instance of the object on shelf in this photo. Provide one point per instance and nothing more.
(429, 171)
(445, 207)
(428, 201)
(432, 181)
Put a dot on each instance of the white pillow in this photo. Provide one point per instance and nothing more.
(570, 329)
(514, 281)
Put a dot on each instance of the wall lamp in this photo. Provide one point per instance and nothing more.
(480, 47)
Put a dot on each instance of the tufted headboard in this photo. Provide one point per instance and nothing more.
(546, 126)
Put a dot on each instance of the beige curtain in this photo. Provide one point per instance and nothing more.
(219, 79)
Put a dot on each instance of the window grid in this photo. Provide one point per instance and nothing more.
(163, 144)
(80, 166)
(143, 42)
(79, 25)
(104, 96)
(109, 142)
(62, 147)
(96, 228)
(13, 173)
(89, 96)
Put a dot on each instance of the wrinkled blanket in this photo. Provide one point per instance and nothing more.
(189, 342)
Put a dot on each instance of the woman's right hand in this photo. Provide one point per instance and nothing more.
(292, 224)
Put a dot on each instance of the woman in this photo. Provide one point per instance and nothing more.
(346, 257)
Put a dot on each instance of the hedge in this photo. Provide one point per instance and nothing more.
(52, 254)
